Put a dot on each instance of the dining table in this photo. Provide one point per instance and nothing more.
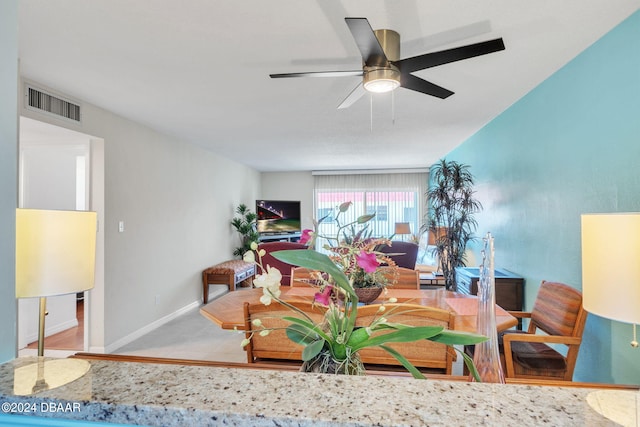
(227, 310)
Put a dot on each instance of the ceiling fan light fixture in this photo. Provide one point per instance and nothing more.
(383, 70)
(381, 80)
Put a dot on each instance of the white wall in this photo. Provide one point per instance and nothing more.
(176, 201)
(290, 186)
(8, 174)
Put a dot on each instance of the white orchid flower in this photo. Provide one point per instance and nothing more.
(266, 298)
(249, 257)
(270, 284)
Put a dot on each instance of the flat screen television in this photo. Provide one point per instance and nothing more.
(278, 216)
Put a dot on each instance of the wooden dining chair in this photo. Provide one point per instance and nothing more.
(275, 346)
(303, 277)
(559, 314)
(422, 353)
(405, 278)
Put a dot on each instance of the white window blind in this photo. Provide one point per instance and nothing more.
(393, 197)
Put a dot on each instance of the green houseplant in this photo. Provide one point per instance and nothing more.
(451, 215)
(245, 225)
(336, 341)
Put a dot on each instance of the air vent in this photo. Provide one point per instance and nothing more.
(43, 101)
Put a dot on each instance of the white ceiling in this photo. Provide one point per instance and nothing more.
(199, 69)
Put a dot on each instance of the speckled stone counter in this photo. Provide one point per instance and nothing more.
(172, 395)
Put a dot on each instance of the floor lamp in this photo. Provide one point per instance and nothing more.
(611, 289)
(55, 255)
(402, 228)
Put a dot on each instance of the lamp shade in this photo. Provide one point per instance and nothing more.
(55, 252)
(611, 265)
(402, 228)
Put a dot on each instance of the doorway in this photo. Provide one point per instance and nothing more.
(54, 173)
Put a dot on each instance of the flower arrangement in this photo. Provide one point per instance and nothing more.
(353, 250)
(333, 344)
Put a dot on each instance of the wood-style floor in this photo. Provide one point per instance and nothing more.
(70, 339)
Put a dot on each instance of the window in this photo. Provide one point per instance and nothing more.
(326, 213)
(392, 197)
(381, 212)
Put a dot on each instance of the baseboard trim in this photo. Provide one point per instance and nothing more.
(98, 350)
(146, 329)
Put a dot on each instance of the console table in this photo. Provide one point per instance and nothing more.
(509, 287)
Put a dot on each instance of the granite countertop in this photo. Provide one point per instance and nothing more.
(178, 395)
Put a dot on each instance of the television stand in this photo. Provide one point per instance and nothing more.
(287, 237)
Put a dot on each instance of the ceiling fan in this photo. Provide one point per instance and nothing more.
(384, 71)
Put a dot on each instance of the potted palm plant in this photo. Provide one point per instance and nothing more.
(245, 225)
(451, 220)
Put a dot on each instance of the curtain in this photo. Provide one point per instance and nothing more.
(393, 197)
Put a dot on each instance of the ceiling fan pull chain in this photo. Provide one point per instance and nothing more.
(371, 112)
(393, 108)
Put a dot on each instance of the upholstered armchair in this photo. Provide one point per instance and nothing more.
(403, 253)
(268, 259)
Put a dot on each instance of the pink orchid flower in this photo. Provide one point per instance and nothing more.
(367, 261)
(305, 236)
(324, 296)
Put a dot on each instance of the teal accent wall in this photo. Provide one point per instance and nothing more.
(8, 174)
(570, 146)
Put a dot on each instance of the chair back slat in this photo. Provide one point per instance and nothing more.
(422, 353)
(557, 309)
(305, 277)
(276, 345)
(405, 278)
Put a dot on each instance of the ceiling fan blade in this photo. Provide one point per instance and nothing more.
(447, 37)
(319, 74)
(372, 53)
(355, 94)
(409, 81)
(433, 59)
